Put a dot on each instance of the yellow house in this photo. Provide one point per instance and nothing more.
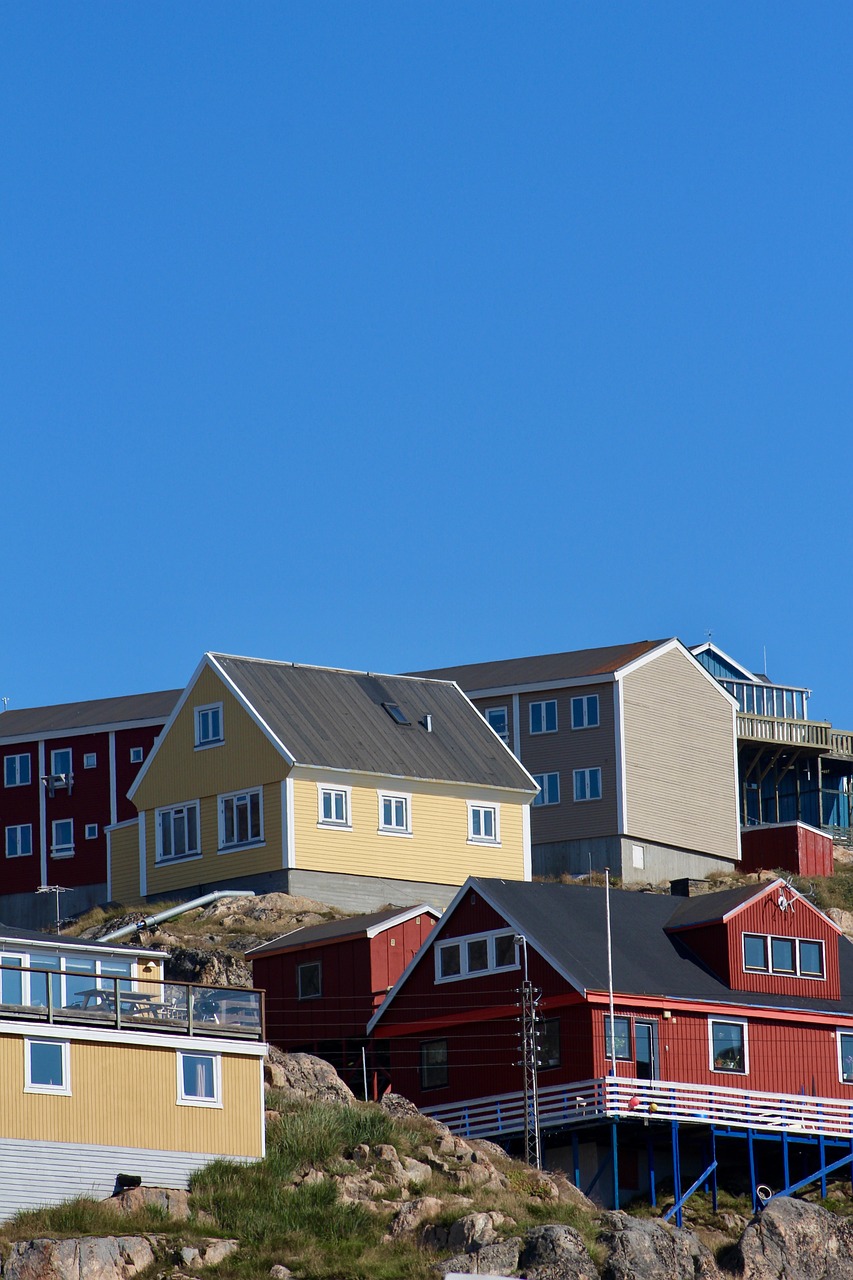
(344, 786)
(109, 1072)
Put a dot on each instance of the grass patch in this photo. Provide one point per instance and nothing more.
(84, 1217)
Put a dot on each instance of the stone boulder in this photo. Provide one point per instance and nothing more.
(646, 1249)
(303, 1076)
(556, 1253)
(172, 1202)
(794, 1240)
(106, 1258)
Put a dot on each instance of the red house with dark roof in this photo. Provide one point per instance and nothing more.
(324, 982)
(732, 1019)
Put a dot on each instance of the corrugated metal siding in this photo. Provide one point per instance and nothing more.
(34, 1174)
(679, 754)
(246, 758)
(438, 849)
(131, 1090)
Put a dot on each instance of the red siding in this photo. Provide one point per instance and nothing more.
(799, 920)
(790, 846)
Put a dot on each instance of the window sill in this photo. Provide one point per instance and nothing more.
(56, 1090)
(205, 746)
(209, 1103)
(389, 831)
(177, 861)
(589, 800)
(238, 848)
(60, 853)
(14, 856)
(483, 840)
(334, 826)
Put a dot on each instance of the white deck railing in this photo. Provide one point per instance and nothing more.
(581, 1101)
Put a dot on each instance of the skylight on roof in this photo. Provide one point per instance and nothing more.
(396, 713)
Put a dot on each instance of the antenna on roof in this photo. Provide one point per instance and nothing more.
(765, 658)
(5, 702)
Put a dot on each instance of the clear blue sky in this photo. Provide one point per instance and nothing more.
(396, 335)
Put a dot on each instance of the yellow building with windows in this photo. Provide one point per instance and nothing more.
(344, 786)
(108, 1071)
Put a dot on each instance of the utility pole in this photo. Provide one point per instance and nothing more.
(57, 889)
(530, 997)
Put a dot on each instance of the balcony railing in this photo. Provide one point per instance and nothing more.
(794, 733)
(176, 1007)
(582, 1101)
(840, 743)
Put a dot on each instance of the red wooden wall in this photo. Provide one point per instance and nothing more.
(790, 846)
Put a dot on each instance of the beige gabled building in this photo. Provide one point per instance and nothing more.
(634, 749)
(348, 787)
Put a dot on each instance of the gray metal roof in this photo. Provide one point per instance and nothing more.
(22, 937)
(567, 924)
(67, 716)
(336, 719)
(706, 908)
(335, 930)
(544, 667)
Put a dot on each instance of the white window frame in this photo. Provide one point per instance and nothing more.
(768, 951)
(475, 807)
(504, 711)
(91, 831)
(544, 798)
(63, 1090)
(462, 943)
(254, 841)
(65, 849)
(395, 796)
(54, 766)
(90, 760)
(585, 701)
(839, 1034)
(202, 739)
(586, 774)
(327, 789)
(544, 704)
(15, 771)
(309, 964)
(159, 814)
(19, 827)
(137, 755)
(739, 1022)
(190, 1100)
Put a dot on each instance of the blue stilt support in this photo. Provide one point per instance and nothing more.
(714, 1174)
(786, 1167)
(605, 1162)
(676, 1208)
(650, 1155)
(821, 1146)
(576, 1158)
(751, 1149)
(813, 1177)
(676, 1172)
(614, 1152)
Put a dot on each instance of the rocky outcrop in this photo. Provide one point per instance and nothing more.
(646, 1249)
(302, 1076)
(556, 1253)
(795, 1240)
(174, 1203)
(107, 1258)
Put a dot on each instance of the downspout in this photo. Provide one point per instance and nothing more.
(177, 911)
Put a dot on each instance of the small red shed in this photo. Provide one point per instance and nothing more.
(787, 846)
(323, 983)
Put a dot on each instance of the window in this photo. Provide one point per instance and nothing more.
(543, 716)
(208, 725)
(240, 819)
(728, 1046)
(498, 719)
(63, 838)
(394, 814)
(621, 1038)
(19, 841)
(396, 713)
(585, 712)
(484, 824)
(137, 755)
(433, 1064)
(90, 760)
(91, 831)
(46, 1067)
(795, 957)
(177, 832)
(199, 1079)
(587, 784)
(309, 980)
(548, 1043)
(333, 806)
(60, 761)
(549, 788)
(845, 1057)
(16, 770)
(475, 955)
